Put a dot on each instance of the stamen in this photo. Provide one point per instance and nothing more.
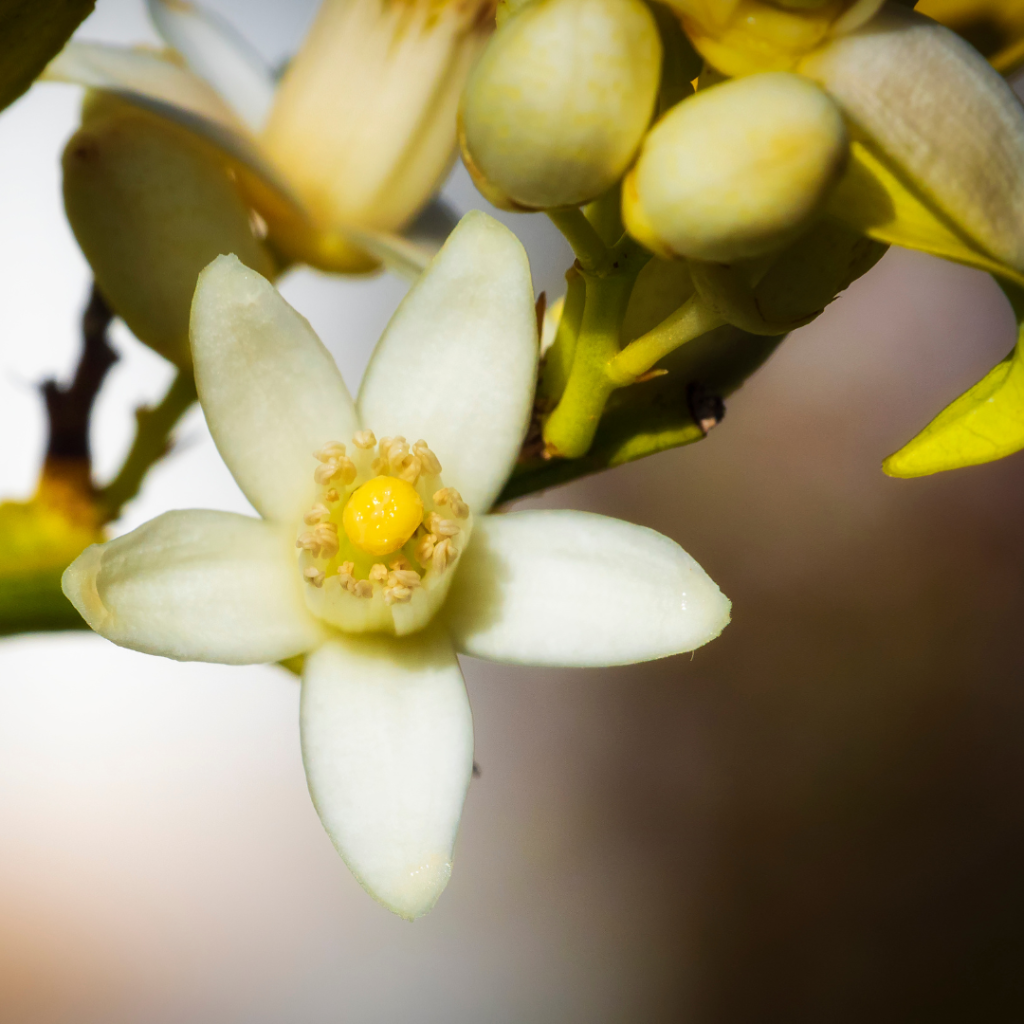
(317, 514)
(400, 563)
(362, 588)
(425, 548)
(379, 573)
(404, 578)
(313, 575)
(339, 466)
(330, 451)
(443, 556)
(332, 495)
(429, 461)
(364, 439)
(442, 527)
(409, 471)
(451, 497)
(397, 595)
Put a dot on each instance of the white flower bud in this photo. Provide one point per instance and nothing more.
(554, 111)
(736, 170)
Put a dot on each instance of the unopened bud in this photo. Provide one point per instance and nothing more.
(555, 109)
(736, 170)
(151, 206)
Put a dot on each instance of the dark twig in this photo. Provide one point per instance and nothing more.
(68, 408)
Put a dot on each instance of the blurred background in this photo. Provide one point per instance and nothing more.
(818, 817)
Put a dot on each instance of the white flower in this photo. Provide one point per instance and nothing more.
(361, 542)
(343, 152)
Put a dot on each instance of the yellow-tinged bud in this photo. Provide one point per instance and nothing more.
(743, 37)
(151, 205)
(555, 109)
(363, 123)
(737, 170)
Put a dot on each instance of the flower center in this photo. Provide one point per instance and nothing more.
(378, 548)
(382, 515)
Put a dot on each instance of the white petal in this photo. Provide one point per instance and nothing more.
(458, 361)
(196, 586)
(941, 115)
(387, 740)
(271, 392)
(577, 589)
(218, 54)
(164, 88)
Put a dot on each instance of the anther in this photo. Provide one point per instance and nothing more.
(362, 588)
(451, 497)
(314, 575)
(330, 451)
(409, 470)
(443, 556)
(400, 563)
(442, 527)
(317, 514)
(364, 439)
(429, 461)
(397, 595)
(332, 495)
(379, 573)
(425, 548)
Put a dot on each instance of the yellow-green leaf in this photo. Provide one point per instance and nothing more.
(31, 32)
(872, 198)
(984, 424)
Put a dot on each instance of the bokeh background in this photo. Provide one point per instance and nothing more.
(817, 818)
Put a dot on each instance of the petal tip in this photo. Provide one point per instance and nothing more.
(416, 890)
(79, 586)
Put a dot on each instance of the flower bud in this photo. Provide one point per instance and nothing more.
(737, 170)
(555, 109)
(151, 205)
(743, 37)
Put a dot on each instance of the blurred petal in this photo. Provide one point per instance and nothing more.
(387, 741)
(458, 361)
(939, 113)
(218, 54)
(164, 88)
(984, 424)
(577, 589)
(271, 392)
(196, 586)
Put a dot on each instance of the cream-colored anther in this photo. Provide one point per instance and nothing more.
(409, 470)
(442, 527)
(451, 497)
(400, 563)
(425, 548)
(404, 578)
(362, 588)
(317, 514)
(339, 467)
(313, 575)
(397, 595)
(379, 573)
(326, 536)
(330, 451)
(364, 439)
(444, 554)
(332, 495)
(429, 462)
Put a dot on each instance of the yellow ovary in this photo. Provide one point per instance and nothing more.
(382, 515)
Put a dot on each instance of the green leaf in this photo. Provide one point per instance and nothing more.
(984, 424)
(31, 33)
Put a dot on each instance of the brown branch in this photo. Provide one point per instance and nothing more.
(68, 408)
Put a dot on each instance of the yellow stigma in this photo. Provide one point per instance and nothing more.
(382, 515)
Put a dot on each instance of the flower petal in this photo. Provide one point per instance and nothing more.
(458, 361)
(387, 741)
(196, 586)
(577, 589)
(271, 392)
(218, 54)
(164, 88)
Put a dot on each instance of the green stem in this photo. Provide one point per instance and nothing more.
(690, 321)
(592, 253)
(605, 213)
(558, 360)
(152, 439)
(570, 429)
